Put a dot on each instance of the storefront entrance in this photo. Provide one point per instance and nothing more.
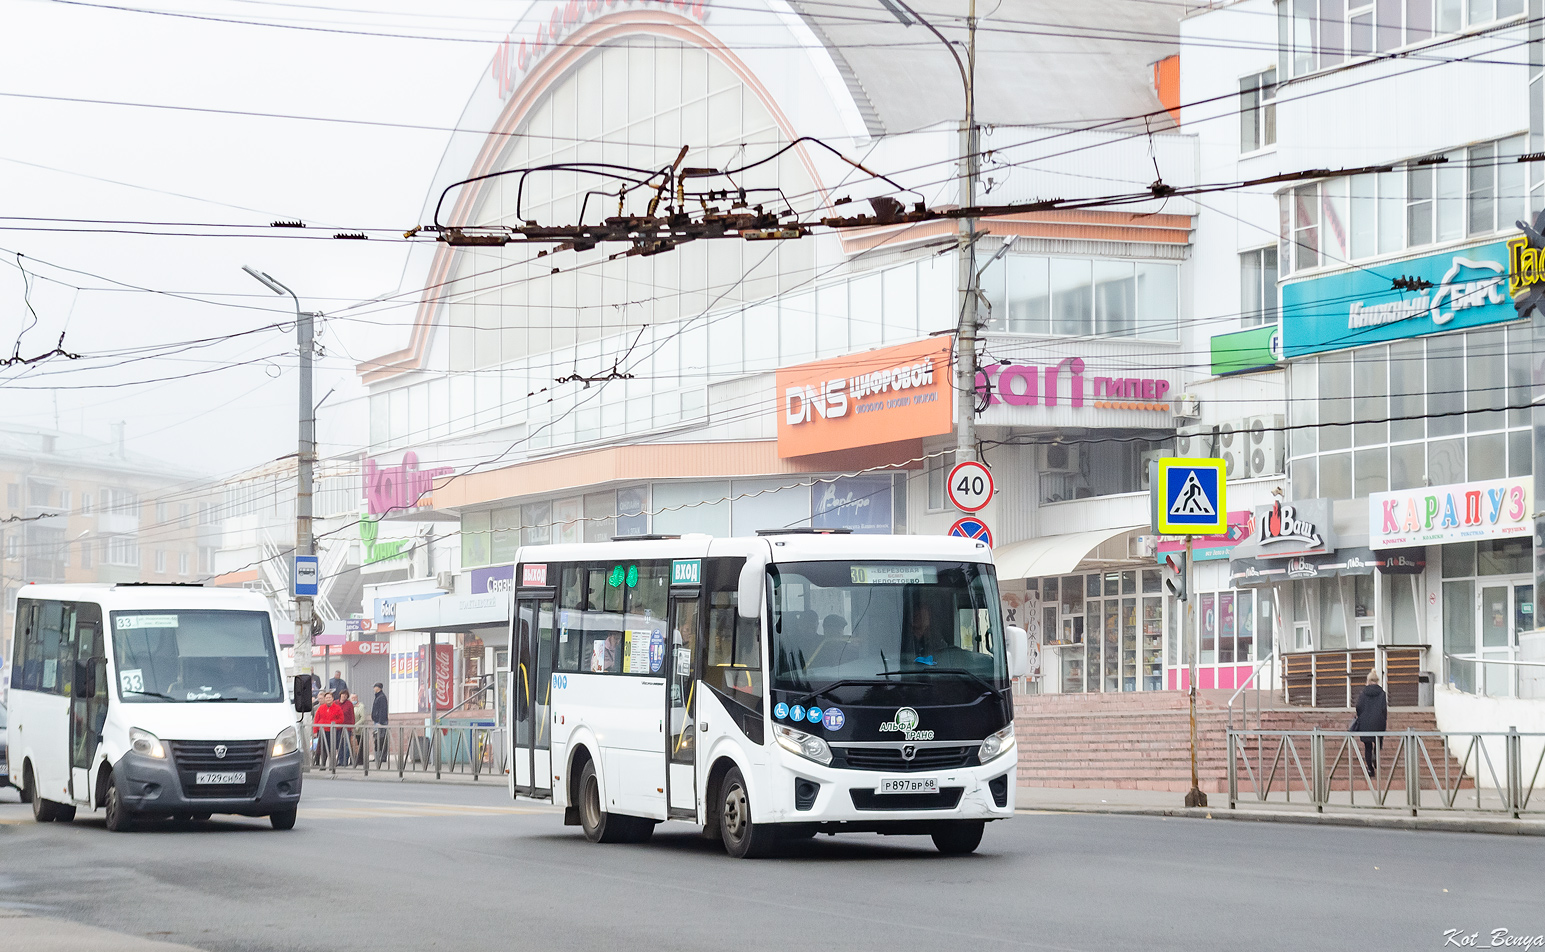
(1488, 599)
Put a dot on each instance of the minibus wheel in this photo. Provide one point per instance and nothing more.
(958, 837)
(44, 810)
(118, 817)
(743, 839)
(598, 825)
(283, 819)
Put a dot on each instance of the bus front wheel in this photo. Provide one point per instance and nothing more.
(118, 817)
(283, 819)
(743, 839)
(958, 837)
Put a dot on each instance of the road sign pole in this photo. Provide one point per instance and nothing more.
(1194, 797)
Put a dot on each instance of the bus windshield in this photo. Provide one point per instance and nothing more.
(885, 622)
(190, 656)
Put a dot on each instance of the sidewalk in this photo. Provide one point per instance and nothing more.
(20, 932)
(1165, 803)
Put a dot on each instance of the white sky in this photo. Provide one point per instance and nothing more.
(332, 175)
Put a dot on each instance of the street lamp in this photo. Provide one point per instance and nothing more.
(305, 543)
(965, 337)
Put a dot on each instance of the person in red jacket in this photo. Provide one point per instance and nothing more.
(343, 733)
(327, 714)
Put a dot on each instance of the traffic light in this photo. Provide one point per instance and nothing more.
(1175, 576)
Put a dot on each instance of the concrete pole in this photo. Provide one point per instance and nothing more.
(966, 336)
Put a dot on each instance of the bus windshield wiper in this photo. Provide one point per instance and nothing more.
(960, 671)
(205, 700)
(163, 697)
(832, 687)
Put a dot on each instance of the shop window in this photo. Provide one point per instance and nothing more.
(1336, 476)
(1363, 607)
(1458, 629)
(683, 507)
(1209, 631)
(536, 519)
(506, 534)
(632, 510)
(600, 512)
(1403, 627)
(1503, 556)
(1333, 622)
(1244, 638)
(1226, 621)
(1459, 560)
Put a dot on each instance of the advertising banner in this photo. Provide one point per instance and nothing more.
(1468, 288)
(860, 503)
(1213, 547)
(1461, 512)
(444, 677)
(880, 396)
(499, 578)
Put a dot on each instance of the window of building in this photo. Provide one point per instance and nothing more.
(206, 559)
(162, 513)
(633, 510)
(85, 555)
(938, 472)
(1063, 297)
(85, 504)
(1082, 470)
(1457, 429)
(1321, 34)
(182, 563)
(1258, 287)
(600, 516)
(536, 521)
(183, 512)
(13, 545)
(122, 550)
(64, 499)
(13, 495)
(1258, 111)
(475, 537)
(160, 561)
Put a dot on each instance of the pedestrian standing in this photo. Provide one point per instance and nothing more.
(326, 717)
(1372, 718)
(379, 717)
(360, 720)
(345, 728)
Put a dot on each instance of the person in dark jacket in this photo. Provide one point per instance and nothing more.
(1372, 716)
(378, 717)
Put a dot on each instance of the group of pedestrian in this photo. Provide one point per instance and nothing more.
(340, 722)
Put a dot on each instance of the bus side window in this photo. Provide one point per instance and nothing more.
(27, 663)
(571, 604)
(733, 661)
(55, 650)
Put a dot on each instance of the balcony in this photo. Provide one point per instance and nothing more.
(117, 523)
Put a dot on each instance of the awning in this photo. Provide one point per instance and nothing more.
(1052, 555)
(454, 612)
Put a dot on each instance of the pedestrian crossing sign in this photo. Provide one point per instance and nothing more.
(1188, 497)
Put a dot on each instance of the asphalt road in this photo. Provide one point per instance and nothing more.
(384, 866)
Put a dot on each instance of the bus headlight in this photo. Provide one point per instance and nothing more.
(996, 744)
(805, 745)
(287, 741)
(146, 743)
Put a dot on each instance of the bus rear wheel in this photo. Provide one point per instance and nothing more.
(958, 837)
(743, 839)
(44, 810)
(603, 827)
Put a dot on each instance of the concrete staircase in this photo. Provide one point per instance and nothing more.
(1141, 740)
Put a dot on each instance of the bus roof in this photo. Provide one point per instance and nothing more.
(129, 597)
(780, 547)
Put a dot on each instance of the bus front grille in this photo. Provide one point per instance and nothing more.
(193, 757)
(892, 759)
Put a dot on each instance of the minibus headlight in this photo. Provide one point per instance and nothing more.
(805, 745)
(146, 743)
(996, 744)
(287, 742)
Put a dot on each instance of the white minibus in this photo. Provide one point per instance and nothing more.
(144, 700)
(767, 689)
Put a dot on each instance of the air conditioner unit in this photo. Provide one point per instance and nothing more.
(1145, 546)
(1059, 458)
(1145, 458)
(1193, 441)
(445, 581)
(1230, 447)
(1264, 439)
(1187, 406)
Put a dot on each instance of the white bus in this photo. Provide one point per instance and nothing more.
(150, 701)
(765, 688)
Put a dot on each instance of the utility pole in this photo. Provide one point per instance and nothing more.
(1194, 797)
(305, 541)
(965, 334)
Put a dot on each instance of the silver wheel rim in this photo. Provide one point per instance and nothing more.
(736, 815)
(593, 803)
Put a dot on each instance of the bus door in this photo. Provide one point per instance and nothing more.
(531, 685)
(88, 704)
(680, 709)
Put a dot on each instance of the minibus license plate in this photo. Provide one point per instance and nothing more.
(211, 777)
(908, 785)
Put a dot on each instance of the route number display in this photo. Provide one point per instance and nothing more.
(970, 486)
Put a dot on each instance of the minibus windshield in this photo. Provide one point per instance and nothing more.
(195, 656)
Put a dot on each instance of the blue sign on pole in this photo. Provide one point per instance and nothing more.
(1362, 306)
(307, 575)
(971, 527)
(1189, 496)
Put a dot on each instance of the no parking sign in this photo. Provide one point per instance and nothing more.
(972, 527)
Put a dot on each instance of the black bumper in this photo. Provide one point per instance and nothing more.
(151, 785)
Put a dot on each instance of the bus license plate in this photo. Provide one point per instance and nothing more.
(908, 785)
(210, 777)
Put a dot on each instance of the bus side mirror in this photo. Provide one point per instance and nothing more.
(749, 594)
(1019, 652)
(303, 693)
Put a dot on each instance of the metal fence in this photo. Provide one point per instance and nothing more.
(441, 749)
(1409, 770)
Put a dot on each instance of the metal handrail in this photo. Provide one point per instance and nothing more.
(1481, 686)
(1241, 689)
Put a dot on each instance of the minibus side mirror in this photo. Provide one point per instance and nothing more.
(1019, 652)
(303, 694)
(749, 593)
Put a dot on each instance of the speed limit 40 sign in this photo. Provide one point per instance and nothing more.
(970, 486)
